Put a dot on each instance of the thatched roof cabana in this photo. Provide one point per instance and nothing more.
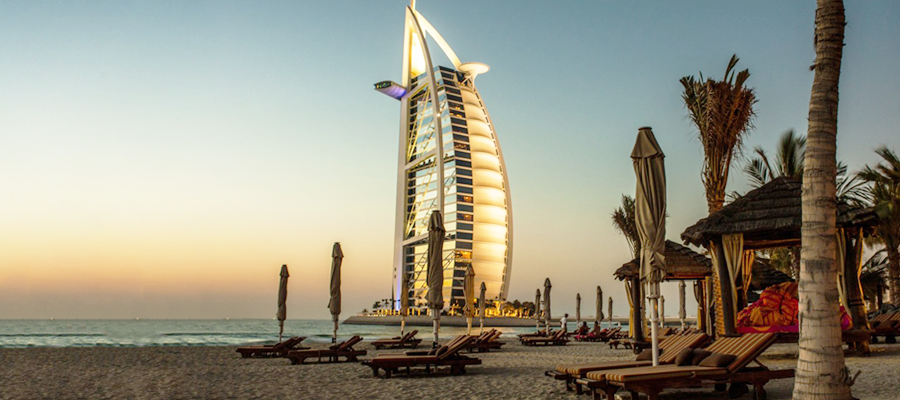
(681, 263)
(769, 216)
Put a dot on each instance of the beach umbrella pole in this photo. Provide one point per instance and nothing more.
(436, 325)
(654, 322)
(402, 324)
(468, 325)
(334, 337)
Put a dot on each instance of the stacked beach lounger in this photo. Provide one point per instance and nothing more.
(669, 348)
(724, 361)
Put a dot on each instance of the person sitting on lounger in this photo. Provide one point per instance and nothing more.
(582, 330)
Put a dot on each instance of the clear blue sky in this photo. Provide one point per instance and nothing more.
(164, 158)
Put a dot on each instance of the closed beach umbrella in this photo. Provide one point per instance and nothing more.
(681, 312)
(650, 220)
(282, 300)
(599, 312)
(483, 305)
(404, 301)
(577, 309)
(547, 287)
(469, 293)
(610, 313)
(537, 308)
(436, 270)
(334, 304)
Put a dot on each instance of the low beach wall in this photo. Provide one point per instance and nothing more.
(422, 320)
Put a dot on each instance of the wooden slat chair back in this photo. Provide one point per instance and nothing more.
(408, 336)
(745, 348)
(672, 345)
(343, 346)
(446, 346)
(288, 344)
(456, 347)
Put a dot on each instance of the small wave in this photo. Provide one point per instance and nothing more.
(50, 334)
(242, 334)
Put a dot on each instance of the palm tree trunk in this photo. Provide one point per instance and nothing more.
(894, 273)
(821, 373)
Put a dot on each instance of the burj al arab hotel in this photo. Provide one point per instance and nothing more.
(449, 160)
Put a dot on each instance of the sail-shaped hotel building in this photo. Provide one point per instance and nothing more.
(450, 161)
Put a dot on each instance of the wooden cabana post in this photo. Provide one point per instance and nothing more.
(637, 302)
(726, 303)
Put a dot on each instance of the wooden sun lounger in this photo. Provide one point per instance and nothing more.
(275, 350)
(407, 340)
(653, 380)
(329, 355)
(558, 339)
(446, 355)
(486, 341)
(670, 347)
(887, 325)
(538, 334)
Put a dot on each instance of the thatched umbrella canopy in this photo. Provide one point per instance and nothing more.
(769, 216)
(681, 263)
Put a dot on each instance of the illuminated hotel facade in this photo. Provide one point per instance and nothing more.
(449, 160)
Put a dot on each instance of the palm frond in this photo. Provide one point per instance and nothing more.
(758, 169)
(623, 219)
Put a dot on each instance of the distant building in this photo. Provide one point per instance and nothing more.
(469, 185)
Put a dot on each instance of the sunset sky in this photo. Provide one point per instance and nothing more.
(163, 159)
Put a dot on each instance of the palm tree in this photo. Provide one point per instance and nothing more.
(722, 112)
(821, 372)
(884, 195)
(624, 222)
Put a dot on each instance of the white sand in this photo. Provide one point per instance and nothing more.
(516, 372)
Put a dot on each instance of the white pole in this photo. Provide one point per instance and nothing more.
(654, 322)
(334, 338)
(436, 324)
(468, 325)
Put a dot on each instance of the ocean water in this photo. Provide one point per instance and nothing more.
(231, 332)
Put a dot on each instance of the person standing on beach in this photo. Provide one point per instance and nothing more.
(563, 321)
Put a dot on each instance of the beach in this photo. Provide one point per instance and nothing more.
(217, 372)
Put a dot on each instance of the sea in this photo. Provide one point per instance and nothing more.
(197, 332)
